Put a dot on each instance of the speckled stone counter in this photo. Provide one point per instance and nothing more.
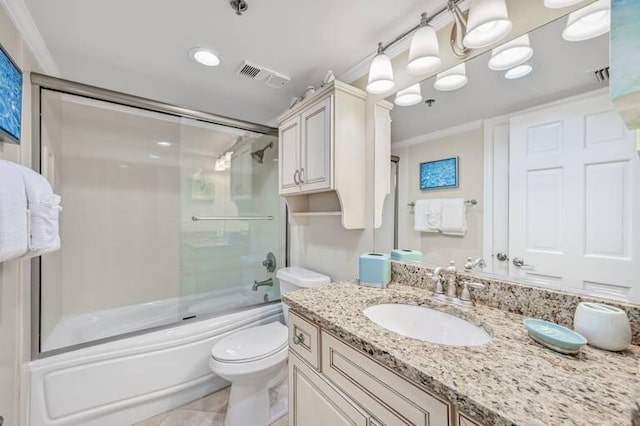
(510, 381)
(635, 407)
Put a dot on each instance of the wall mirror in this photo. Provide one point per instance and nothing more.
(549, 171)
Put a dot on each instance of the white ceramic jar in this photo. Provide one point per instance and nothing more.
(604, 326)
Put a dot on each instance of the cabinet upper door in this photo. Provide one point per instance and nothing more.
(313, 402)
(289, 150)
(316, 147)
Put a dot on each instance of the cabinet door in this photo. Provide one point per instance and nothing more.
(289, 150)
(316, 152)
(313, 402)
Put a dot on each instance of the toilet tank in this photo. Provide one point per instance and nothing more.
(295, 278)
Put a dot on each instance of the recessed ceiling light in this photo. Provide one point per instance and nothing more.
(154, 157)
(123, 166)
(518, 72)
(164, 143)
(205, 56)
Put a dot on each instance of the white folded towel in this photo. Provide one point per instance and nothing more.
(13, 212)
(454, 218)
(43, 214)
(427, 215)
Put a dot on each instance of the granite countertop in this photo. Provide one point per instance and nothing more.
(510, 381)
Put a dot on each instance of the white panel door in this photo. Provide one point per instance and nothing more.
(289, 150)
(574, 192)
(317, 140)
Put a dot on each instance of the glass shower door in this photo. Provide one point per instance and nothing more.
(231, 241)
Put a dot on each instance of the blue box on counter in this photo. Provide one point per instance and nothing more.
(375, 270)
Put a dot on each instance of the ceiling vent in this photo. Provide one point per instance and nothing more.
(260, 73)
(602, 74)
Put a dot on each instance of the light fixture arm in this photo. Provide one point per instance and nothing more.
(424, 20)
(458, 31)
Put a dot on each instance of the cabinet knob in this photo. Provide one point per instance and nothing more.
(298, 338)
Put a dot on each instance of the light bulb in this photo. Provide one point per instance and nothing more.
(424, 52)
(380, 75)
(409, 96)
(488, 23)
(452, 79)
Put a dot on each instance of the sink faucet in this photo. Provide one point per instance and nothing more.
(257, 284)
(478, 263)
(449, 274)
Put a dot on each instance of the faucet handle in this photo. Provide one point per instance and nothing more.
(478, 286)
(465, 295)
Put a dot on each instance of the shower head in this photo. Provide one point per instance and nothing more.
(259, 154)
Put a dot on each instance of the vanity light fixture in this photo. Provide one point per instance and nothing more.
(380, 74)
(518, 72)
(488, 23)
(424, 52)
(511, 54)
(589, 22)
(410, 96)
(452, 79)
(557, 4)
(205, 56)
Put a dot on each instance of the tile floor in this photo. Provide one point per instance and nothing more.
(207, 411)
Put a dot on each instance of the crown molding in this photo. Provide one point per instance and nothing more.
(361, 68)
(20, 15)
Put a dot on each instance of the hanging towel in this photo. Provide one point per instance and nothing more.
(13, 212)
(427, 215)
(434, 214)
(43, 214)
(454, 220)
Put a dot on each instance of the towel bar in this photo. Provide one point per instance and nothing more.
(199, 218)
(472, 202)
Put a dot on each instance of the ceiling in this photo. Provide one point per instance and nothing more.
(141, 47)
(560, 69)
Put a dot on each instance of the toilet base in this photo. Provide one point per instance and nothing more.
(249, 402)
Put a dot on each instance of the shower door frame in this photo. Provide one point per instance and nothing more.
(40, 82)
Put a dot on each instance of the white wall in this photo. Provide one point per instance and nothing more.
(439, 249)
(15, 275)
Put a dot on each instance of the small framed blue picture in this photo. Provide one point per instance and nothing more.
(439, 174)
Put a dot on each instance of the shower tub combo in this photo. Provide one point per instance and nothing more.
(171, 233)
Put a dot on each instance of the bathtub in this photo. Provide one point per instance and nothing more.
(131, 379)
(127, 319)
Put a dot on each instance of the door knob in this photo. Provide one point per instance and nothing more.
(502, 256)
(520, 263)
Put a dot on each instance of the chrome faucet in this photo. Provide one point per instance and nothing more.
(449, 274)
(265, 283)
(471, 264)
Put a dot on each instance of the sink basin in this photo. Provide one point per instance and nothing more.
(427, 324)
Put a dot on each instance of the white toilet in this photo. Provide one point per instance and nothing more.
(255, 359)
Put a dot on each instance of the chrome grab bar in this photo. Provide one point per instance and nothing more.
(199, 218)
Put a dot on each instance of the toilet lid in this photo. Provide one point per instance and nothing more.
(251, 344)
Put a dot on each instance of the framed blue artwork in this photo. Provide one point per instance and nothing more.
(625, 60)
(439, 174)
(10, 98)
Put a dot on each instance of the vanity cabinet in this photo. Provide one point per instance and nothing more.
(343, 385)
(322, 156)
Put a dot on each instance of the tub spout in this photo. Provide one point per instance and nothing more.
(257, 284)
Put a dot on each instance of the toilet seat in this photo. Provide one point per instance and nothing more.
(252, 344)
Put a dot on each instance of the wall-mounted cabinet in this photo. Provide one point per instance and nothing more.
(322, 156)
